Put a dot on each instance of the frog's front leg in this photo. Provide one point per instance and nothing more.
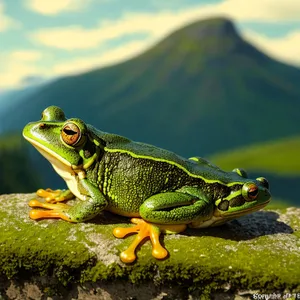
(93, 202)
(168, 212)
(54, 196)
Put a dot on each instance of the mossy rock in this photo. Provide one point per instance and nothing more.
(54, 259)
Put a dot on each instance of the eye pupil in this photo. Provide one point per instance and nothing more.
(71, 134)
(250, 191)
(69, 131)
(253, 192)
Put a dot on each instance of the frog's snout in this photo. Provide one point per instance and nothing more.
(27, 129)
(265, 195)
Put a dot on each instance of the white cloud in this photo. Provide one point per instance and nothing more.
(159, 24)
(53, 7)
(67, 38)
(25, 55)
(286, 48)
(17, 65)
(261, 10)
(155, 26)
(6, 22)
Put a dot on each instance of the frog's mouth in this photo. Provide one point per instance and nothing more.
(60, 164)
(219, 219)
(236, 214)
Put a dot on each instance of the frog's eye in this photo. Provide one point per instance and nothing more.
(71, 134)
(241, 172)
(264, 181)
(250, 191)
(53, 113)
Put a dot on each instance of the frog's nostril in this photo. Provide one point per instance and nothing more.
(42, 125)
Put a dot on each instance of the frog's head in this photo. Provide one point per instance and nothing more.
(59, 140)
(246, 195)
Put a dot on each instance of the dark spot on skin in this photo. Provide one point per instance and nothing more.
(89, 150)
(87, 154)
(237, 201)
(223, 205)
(44, 126)
(236, 187)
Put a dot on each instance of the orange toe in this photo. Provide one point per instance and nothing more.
(43, 214)
(143, 230)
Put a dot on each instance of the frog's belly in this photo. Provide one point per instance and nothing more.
(124, 204)
(121, 212)
(69, 178)
(213, 221)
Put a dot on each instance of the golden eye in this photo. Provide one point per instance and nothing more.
(250, 191)
(264, 181)
(71, 134)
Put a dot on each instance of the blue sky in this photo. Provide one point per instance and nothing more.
(50, 38)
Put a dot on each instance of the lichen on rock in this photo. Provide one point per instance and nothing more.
(258, 252)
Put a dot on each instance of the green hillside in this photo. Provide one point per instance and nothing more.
(278, 161)
(16, 171)
(11, 141)
(278, 157)
(201, 90)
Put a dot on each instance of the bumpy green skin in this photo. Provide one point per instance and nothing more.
(268, 241)
(136, 179)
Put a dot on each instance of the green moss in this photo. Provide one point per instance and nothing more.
(258, 252)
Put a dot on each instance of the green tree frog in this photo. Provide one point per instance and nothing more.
(159, 190)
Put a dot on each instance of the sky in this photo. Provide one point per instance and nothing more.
(43, 39)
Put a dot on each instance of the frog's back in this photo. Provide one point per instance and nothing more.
(199, 168)
(117, 143)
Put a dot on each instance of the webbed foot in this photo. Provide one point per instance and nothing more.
(53, 196)
(57, 210)
(144, 230)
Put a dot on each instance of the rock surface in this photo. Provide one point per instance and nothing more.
(54, 259)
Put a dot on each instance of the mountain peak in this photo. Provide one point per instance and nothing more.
(212, 27)
(205, 40)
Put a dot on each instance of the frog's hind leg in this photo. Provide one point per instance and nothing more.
(168, 212)
(146, 230)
